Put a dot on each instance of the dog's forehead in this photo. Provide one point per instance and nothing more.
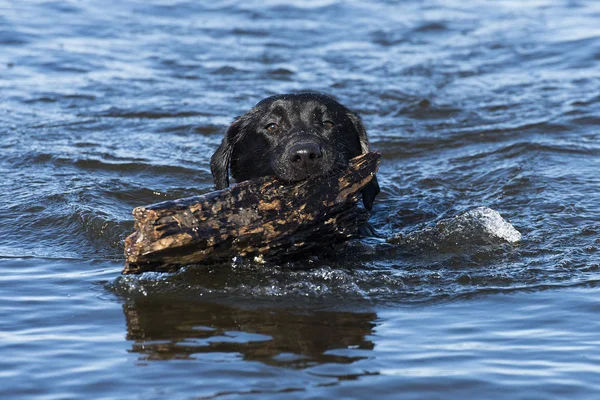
(303, 108)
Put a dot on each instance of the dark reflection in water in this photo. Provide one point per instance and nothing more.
(279, 337)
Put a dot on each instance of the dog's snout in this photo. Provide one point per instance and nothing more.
(305, 155)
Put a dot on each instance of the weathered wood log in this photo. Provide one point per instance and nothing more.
(262, 217)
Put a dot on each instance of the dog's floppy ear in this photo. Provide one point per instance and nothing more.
(370, 191)
(221, 159)
(362, 132)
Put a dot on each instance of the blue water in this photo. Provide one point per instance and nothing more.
(106, 105)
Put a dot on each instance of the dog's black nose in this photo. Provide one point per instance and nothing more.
(305, 155)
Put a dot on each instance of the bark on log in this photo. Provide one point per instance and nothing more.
(261, 217)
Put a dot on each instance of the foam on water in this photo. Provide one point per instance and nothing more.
(489, 223)
(466, 231)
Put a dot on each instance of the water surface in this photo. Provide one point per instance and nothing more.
(106, 106)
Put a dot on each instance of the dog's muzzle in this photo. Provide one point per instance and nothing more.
(305, 157)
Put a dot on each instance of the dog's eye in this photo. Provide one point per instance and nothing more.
(327, 124)
(272, 127)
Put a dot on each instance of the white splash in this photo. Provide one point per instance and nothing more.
(491, 223)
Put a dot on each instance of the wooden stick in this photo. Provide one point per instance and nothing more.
(262, 217)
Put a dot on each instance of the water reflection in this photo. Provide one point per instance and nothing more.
(280, 337)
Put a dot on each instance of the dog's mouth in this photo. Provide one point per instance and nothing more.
(309, 174)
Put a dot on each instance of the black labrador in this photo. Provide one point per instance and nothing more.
(293, 137)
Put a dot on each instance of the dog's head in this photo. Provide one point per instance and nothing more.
(293, 137)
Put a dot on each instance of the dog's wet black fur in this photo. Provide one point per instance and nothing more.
(294, 137)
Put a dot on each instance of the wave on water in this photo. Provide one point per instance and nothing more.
(367, 270)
